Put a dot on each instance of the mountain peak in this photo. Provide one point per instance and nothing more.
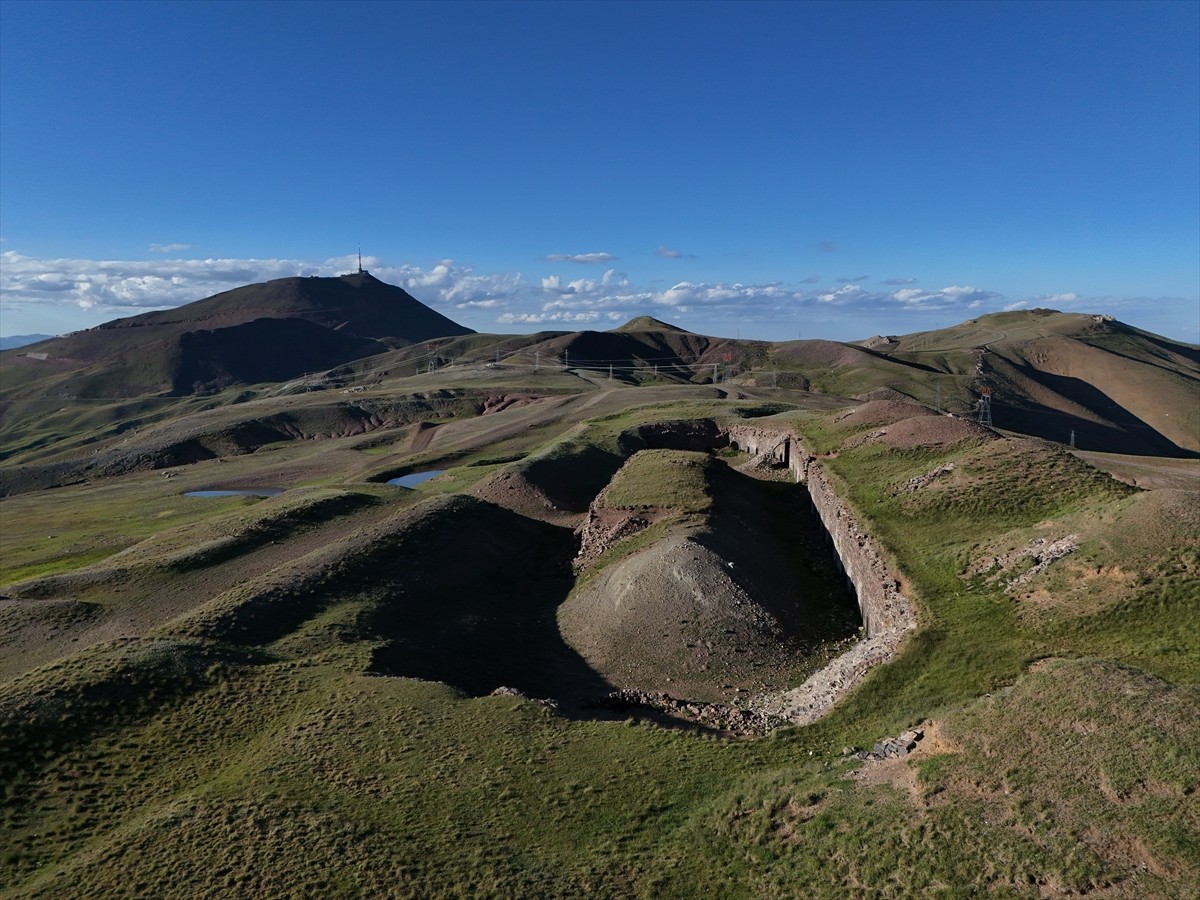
(649, 323)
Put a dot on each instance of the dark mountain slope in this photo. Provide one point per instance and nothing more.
(359, 304)
(645, 342)
(262, 350)
(237, 336)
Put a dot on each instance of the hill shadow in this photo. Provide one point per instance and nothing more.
(471, 599)
(1126, 434)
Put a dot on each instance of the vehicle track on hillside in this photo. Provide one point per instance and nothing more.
(151, 596)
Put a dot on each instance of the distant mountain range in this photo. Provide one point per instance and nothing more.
(22, 340)
(1060, 376)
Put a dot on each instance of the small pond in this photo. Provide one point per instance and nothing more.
(415, 478)
(249, 492)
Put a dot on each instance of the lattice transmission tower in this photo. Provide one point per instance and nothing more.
(985, 407)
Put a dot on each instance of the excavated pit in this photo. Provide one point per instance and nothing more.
(755, 601)
(715, 605)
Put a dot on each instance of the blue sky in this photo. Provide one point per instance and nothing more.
(769, 170)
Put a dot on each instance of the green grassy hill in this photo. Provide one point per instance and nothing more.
(294, 695)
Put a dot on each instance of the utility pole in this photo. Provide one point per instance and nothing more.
(567, 358)
(610, 371)
(716, 377)
(774, 378)
(1072, 438)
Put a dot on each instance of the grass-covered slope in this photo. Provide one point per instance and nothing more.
(1121, 390)
(241, 697)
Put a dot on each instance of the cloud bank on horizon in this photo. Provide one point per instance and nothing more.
(847, 170)
(87, 292)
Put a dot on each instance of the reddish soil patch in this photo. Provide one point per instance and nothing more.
(502, 402)
(926, 431)
(884, 412)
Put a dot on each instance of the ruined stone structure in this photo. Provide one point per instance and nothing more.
(887, 614)
(884, 608)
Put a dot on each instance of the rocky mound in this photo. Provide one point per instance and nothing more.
(733, 598)
(513, 490)
(674, 618)
(556, 485)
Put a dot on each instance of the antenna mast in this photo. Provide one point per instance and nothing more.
(360, 271)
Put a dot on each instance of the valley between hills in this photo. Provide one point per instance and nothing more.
(668, 615)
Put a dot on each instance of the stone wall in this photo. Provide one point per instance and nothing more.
(884, 607)
(887, 614)
(880, 600)
(774, 444)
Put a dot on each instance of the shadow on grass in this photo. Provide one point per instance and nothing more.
(1127, 433)
(470, 599)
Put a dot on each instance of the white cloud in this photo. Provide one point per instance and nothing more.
(123, 287)
(898, 281)
(666, 253)
(580, 257)
(539, 318)
(846, 293)
(1056, 300)
(76, 293)
(113, 288)
(954, 296)
(120, 287)
(168, 248)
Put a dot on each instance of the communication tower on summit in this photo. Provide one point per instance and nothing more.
(360, 268)
(985, 406)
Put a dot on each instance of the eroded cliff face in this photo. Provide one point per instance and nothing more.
(883, 605)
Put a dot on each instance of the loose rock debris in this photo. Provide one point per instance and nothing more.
(505, 691)
(915, 484)
(893, 747)
(714, 715)
(1042, 550)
